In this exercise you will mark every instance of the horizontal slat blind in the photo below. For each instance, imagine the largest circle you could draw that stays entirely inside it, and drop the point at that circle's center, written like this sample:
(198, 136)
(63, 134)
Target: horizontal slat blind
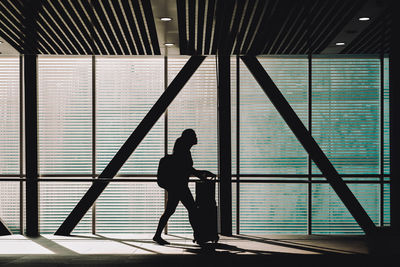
(330, 216)
(65, 115)
(126, 89)
(386, 204)
(195, 107)
(345, 112)
(129, 208)
(9, 115)
(57, 199)
(9, 205)
(273, 208)
(386, 123)
(267, 145)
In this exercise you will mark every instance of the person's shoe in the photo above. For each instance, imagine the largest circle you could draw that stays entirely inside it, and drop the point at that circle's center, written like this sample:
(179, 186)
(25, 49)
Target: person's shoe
(160, 241)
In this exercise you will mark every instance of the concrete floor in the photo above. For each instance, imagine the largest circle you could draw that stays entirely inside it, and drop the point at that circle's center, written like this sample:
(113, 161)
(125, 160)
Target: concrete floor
(241, 250)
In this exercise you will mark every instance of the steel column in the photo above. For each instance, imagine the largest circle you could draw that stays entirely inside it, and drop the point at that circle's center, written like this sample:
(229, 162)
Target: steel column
(310, 145)
(130, 145)
(224, 143)
(30, 13)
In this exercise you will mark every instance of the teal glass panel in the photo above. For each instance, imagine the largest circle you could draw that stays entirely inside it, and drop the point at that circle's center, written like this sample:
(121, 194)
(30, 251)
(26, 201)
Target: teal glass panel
(386, 204)
(330, 216)
(273, 208)
(267, 145)
(346, 112)
(386, 123)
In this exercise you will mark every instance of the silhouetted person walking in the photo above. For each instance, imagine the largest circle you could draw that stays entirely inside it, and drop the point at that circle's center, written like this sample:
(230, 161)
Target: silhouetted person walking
(178, 190)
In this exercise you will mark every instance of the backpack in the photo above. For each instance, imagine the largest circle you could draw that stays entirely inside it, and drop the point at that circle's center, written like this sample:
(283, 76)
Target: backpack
(165, 171)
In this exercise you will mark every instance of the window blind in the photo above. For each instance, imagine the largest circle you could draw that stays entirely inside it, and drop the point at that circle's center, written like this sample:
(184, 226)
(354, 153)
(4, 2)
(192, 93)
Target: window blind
(386, 123)
(346, 113)
(9, 115)
(267, 145)
(273, 208)
(57, 199)
(9, 205)
(330, 216)
(65, 115)
(129, 208)
(126, 89)
(9, 141)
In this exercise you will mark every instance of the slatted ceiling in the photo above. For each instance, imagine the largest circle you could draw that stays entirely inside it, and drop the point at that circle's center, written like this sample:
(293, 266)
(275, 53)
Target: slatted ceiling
(234, 27)
(126, 7)
(10, 26)
(105, 27)
(210, 17)
(340, 17)
(374, 39)
(262, 27)
(272, 48)
(244, 24)
(253, 26)
(200, 25)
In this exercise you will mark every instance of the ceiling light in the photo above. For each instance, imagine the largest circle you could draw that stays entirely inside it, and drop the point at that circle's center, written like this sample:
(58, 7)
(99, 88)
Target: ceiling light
(169, 44)
(1, 42)
(340, 43)
(165, 19)
(363, 18)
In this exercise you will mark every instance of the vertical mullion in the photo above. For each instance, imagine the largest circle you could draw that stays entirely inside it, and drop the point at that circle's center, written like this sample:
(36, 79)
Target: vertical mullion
(381, 169)
(21, 146)
(165, 130)
(309, 208)
(237, 145)
(94, 137)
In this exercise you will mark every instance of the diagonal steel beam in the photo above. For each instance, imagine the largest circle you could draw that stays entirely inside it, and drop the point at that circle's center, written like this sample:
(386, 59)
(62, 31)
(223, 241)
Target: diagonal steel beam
(130, 145)
(310, 145)
(3, 229)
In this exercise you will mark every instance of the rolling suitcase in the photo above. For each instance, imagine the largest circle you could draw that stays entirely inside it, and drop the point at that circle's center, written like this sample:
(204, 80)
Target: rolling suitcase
(207, 212)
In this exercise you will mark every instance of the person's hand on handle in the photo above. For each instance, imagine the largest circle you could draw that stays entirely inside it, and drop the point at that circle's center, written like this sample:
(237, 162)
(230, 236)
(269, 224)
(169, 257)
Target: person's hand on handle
(206, 174)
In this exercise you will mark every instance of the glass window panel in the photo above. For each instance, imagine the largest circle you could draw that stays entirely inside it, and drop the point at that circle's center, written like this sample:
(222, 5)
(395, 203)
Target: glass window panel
(273, 208)
(127, 88)
(386, 204)
(330, 216)
(9, 115)
(65, 115)
(386, 122)
(129, 207)
(267, 145)
(57, 199)
(345, 112)
(10, 205)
